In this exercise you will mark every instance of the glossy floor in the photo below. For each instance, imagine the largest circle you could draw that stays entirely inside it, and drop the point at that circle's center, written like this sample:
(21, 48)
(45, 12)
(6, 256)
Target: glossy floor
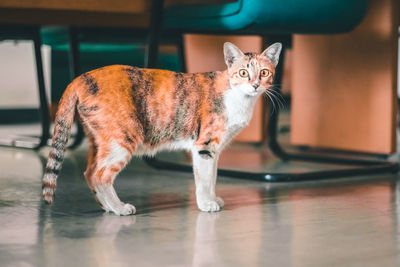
(342, 222)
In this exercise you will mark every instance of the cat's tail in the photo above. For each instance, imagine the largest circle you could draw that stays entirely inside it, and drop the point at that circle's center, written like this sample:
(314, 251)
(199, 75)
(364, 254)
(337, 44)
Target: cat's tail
(63, 122)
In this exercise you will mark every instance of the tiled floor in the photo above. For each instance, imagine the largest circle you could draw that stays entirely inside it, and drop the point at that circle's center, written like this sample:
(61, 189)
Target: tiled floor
(342, 222)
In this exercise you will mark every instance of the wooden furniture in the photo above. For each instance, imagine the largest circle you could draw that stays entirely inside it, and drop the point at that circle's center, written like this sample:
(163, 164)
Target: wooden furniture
(120, 13)
(344, 86)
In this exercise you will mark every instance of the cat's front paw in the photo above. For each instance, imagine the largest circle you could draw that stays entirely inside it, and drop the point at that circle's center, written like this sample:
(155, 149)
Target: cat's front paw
(124, 209)
(127, 209)
(220, 202)
(210, 205)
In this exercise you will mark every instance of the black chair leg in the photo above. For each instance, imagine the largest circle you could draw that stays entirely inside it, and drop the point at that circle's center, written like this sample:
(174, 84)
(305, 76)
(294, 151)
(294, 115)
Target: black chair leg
(359, 166)
(75, 71)
(44, 107)
(181, 53)
(153, 36)
(36, 142)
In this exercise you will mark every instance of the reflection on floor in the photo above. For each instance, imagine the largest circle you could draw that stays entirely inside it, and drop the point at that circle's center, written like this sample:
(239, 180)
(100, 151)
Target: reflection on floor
(341, 222)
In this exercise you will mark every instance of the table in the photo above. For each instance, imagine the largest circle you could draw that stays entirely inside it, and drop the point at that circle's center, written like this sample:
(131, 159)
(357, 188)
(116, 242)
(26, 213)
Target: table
(118, 13)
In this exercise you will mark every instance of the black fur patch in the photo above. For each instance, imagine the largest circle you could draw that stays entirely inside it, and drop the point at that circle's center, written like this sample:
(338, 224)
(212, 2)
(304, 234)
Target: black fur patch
(140, 90)
(211, 74)
(250, 55)
(205, 152)
(53, 171)
(181, 107)
(56, 157)
(90, 83)
(218, 105)
(128, 138)
(62, 136)
(230, 60)
(87, 110)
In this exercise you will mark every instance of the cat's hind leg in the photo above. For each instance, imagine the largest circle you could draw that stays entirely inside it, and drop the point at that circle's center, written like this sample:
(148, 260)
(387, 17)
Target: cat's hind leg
(205, 174)
(108, 162)
(92, 151)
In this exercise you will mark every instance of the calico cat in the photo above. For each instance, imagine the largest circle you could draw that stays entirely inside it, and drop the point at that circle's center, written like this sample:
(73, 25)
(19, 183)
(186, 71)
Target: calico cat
(129, 111)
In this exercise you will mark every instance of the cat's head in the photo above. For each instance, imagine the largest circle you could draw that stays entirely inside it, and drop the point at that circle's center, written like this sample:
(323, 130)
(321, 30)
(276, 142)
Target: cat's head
(251, 73)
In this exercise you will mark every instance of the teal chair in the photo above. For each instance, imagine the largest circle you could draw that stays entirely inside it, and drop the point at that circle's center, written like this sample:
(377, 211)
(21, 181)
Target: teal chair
(268, 17)
(276, 19)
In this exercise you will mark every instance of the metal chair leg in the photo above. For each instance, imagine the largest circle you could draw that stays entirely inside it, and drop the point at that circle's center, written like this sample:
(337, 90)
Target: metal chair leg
(359, 166)
(181, 53)
(75, 71)
(153, 36)
(43, 104)
(44, 107)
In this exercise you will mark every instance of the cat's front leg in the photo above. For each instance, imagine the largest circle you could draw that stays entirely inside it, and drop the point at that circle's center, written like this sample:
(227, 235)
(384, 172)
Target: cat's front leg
(205, 174)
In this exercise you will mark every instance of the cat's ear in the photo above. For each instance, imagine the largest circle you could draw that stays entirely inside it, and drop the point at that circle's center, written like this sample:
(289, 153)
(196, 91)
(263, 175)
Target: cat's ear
(231, 53)
(273, 52)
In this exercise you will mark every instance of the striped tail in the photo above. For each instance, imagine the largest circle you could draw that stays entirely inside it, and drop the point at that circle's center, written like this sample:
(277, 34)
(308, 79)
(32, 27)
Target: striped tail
(63, 123)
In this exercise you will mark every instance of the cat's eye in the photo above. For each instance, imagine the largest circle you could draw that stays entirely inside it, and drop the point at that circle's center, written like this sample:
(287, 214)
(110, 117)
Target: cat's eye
(243, 73)
(264, 73)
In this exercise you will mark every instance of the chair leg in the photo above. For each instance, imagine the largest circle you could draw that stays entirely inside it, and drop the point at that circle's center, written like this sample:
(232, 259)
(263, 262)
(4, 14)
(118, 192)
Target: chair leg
(40, 141)
(181, 53)
(75, 71)
(44, 107)
(153, 36)
(73, 53)
(361, 166)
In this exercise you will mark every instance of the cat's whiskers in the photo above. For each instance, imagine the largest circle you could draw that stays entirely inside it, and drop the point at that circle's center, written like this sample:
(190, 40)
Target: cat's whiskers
(276, 89)
(267, 94)
(276, 99)
(279, 98)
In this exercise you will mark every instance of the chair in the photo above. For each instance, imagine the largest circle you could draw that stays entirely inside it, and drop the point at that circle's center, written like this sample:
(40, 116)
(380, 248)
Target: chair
(14, 32)
(277, 19)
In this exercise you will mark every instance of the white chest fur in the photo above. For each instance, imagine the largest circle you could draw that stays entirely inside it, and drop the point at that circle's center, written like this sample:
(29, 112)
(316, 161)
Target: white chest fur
(239, 109)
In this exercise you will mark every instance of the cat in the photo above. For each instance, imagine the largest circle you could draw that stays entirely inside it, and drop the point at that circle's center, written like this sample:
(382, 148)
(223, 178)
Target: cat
(129, 111)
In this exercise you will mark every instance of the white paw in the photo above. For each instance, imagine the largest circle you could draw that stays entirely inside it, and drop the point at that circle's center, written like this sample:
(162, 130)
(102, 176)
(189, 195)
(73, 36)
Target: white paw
(109, 201)
(125, 209)
(210, 205)
(220, 202)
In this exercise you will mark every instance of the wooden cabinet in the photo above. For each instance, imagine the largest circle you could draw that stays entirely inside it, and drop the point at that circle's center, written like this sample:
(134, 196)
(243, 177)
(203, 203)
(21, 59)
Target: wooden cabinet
(344, 86)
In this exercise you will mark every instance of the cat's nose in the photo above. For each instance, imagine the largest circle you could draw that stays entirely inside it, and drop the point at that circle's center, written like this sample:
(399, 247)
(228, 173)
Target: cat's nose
(255, 85)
